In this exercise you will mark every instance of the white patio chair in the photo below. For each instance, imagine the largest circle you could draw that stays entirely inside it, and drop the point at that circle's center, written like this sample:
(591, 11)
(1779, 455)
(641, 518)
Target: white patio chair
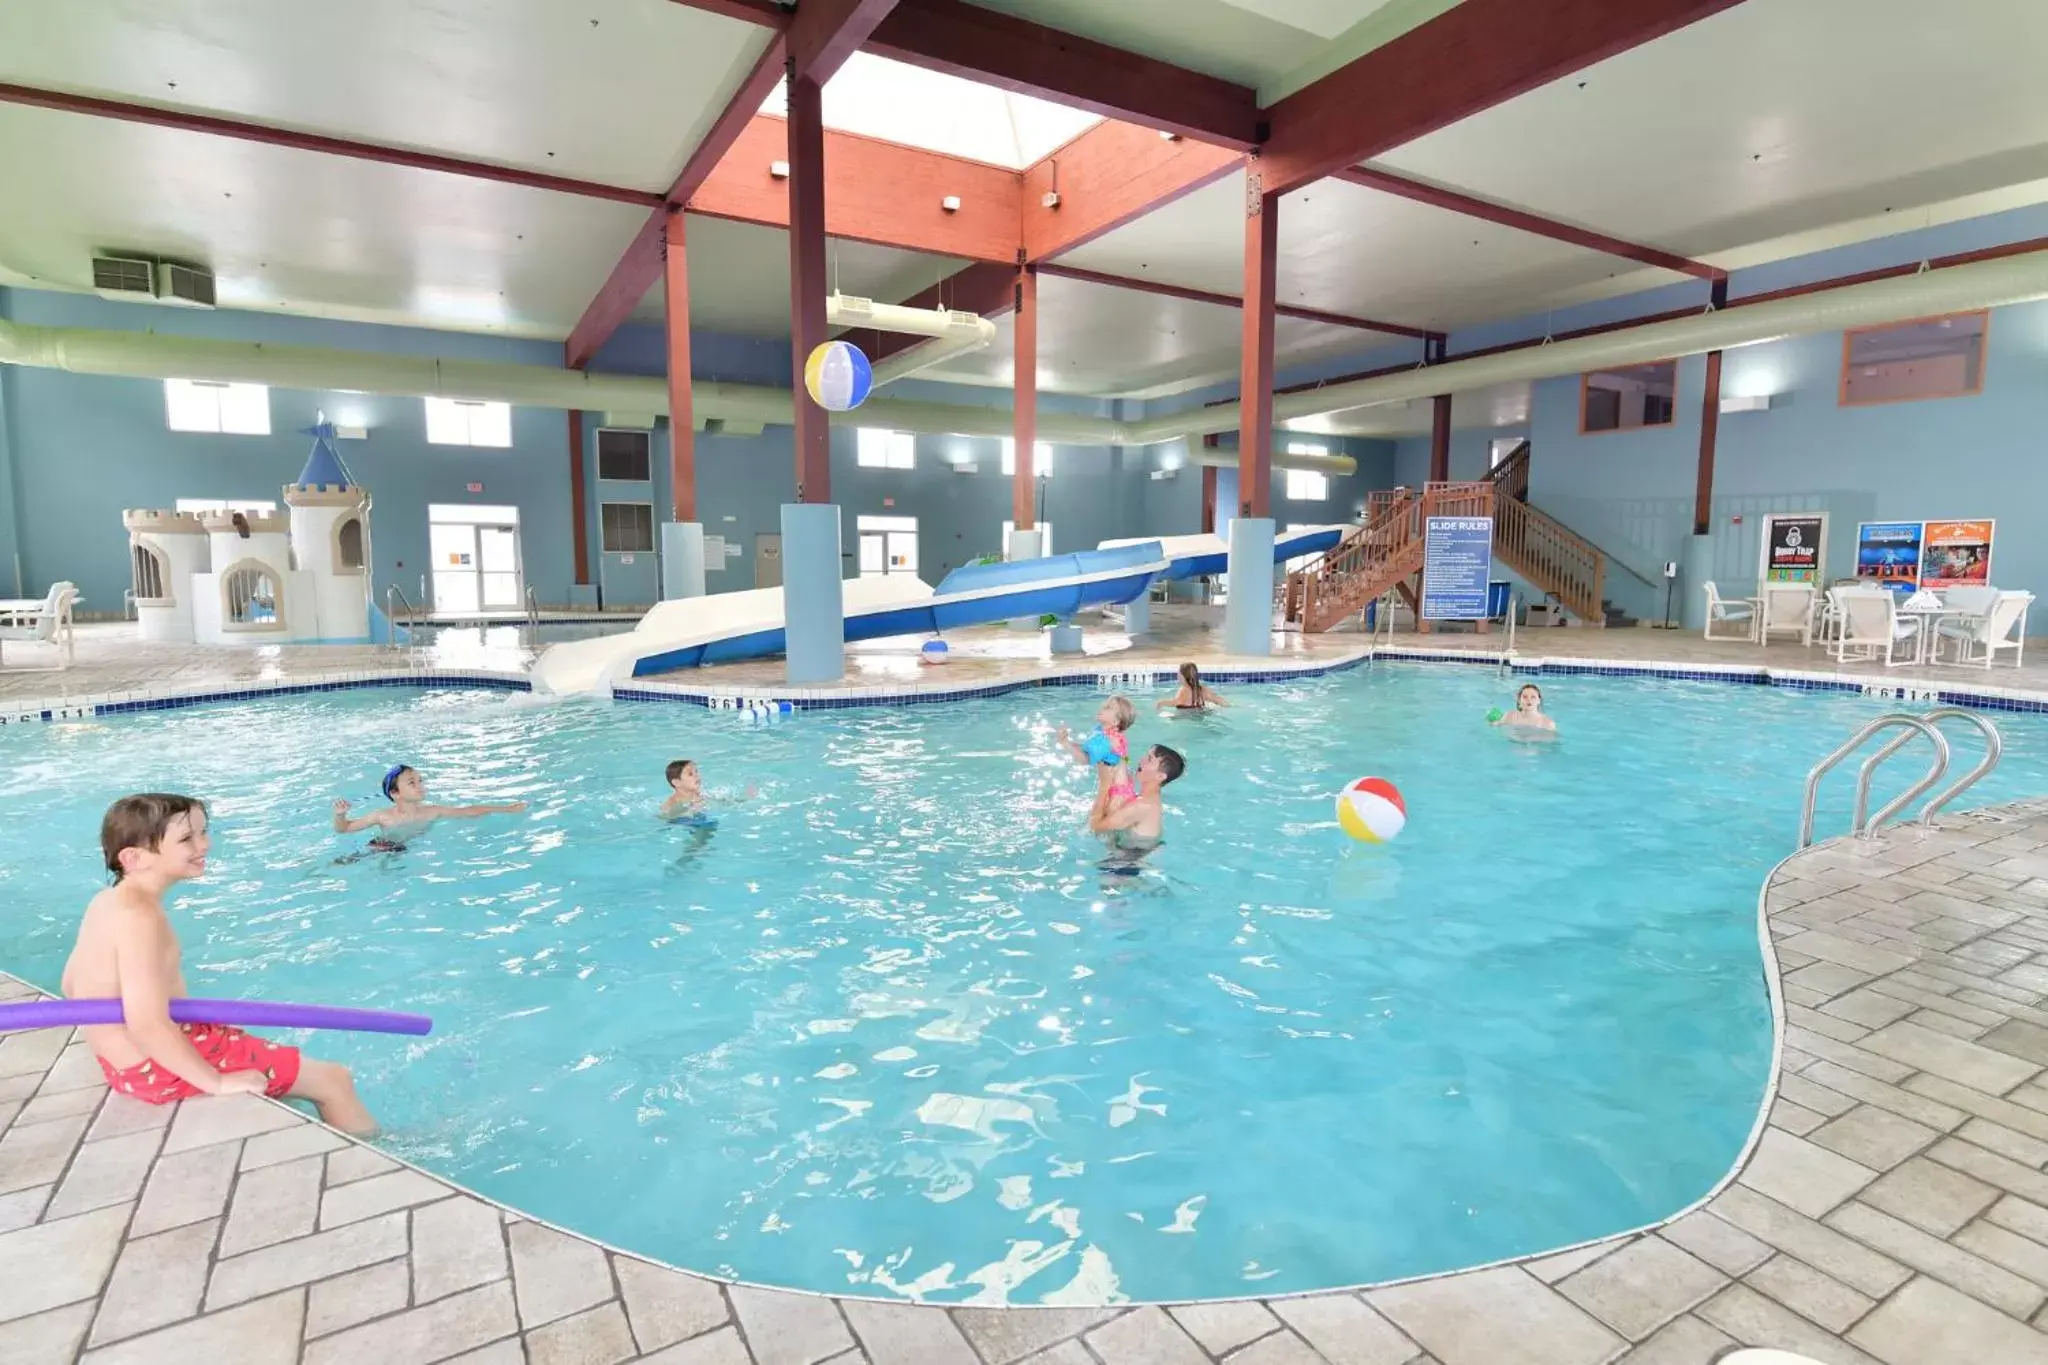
(1871, 625)
(1976, 601)
(1788, 609)
(48, 623)
(1739, 610)
(2003, 625)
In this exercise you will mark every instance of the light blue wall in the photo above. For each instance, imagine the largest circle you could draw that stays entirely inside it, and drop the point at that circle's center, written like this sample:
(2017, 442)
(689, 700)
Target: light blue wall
(75, 450)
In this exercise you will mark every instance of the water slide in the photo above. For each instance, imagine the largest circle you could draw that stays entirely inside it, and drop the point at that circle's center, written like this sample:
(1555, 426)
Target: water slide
(729, 626)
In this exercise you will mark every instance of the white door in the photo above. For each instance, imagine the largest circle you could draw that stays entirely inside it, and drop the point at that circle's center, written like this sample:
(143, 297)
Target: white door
(887, 545)
(498, 567)
(456, 587)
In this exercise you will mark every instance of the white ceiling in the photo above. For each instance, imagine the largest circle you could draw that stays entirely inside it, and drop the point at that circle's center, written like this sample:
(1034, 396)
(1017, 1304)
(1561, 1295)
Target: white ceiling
(1777, 127)
(1100, 341)
(739, 276)
(885, 99)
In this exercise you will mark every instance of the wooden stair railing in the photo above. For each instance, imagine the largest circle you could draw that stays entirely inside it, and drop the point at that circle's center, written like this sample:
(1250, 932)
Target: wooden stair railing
(1385, 551)
(1553, 557)
(1510, 478)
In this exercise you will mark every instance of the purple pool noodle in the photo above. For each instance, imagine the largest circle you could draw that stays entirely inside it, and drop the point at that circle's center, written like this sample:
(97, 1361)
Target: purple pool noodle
(27, 1014)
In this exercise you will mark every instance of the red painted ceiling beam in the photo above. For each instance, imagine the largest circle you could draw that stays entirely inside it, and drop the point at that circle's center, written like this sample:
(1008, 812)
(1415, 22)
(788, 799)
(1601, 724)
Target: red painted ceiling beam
(638, 269)
(1015, 54)
(1107, 176)
(1439, 197)
(824, 33)
(1178, 291)
(1470, 58)
(315, 142)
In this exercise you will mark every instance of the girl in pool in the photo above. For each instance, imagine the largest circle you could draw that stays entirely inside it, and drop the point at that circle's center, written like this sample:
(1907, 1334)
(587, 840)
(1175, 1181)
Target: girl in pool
(1107, 751)
(1194, 694)
(408, 815)
(1528, 713)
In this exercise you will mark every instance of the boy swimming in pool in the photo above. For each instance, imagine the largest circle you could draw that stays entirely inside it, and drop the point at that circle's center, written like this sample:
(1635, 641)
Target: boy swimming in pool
(408, 815)
(127, 949)
(686, 796)
(1108, 749)
(1528, 713)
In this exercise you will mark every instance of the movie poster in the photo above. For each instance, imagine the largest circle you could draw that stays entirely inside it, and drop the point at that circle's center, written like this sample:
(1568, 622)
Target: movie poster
(1792, 548)
(1956, 554)
(1888, 554)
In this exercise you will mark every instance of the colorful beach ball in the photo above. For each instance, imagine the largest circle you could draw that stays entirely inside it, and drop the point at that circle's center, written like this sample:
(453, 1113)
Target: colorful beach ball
(1371, 810)
(837, 376)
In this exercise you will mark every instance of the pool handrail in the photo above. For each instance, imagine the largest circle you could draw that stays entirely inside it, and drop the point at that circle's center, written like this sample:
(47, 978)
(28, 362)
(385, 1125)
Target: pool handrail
(1994, 749)
(1914, 725)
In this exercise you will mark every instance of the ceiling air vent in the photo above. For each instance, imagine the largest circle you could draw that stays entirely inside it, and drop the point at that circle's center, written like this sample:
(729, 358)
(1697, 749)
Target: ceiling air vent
(119, 277)
(187, 285)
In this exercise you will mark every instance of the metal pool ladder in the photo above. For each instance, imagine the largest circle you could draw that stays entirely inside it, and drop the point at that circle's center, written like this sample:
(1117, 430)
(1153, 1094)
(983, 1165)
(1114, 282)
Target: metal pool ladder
(1910, 725)
(393, 595)
(532, 618)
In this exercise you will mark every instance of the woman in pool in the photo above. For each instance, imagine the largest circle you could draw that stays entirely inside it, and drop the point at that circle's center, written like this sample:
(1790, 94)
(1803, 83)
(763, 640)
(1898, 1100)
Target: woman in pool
(408, 815)
(1194, 694)
(1528, 716)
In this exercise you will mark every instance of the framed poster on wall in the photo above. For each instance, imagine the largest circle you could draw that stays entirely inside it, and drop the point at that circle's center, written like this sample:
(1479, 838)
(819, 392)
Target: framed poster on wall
(1888, 553)
(1794, 547)
(1956, 554)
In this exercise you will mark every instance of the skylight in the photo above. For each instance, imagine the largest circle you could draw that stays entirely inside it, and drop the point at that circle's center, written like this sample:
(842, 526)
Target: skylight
(878, 98)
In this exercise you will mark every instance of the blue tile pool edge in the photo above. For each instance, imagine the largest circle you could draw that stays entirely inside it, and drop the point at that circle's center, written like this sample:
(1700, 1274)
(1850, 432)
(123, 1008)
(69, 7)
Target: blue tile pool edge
(90, 705)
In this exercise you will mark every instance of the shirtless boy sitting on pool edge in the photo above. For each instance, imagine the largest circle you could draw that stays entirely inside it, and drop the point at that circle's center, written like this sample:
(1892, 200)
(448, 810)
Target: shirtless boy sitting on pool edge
(1138, 822)
(408, 815)
(126, 948)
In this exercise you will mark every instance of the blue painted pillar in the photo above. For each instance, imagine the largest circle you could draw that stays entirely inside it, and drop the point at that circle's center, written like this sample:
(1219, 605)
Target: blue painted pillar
(11, 569)
(1248, 616)
(682, 559)
(814, 609)
(1138, 614)
(1695, 571)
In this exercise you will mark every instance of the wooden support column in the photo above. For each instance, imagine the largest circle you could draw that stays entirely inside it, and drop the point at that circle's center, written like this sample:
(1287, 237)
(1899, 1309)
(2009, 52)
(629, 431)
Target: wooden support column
(807, 283)
(1710, 428)
(682, 428)
(1440, 439)
(1024, 405)
(579, 533)
(1255, 382)
(1209, 499)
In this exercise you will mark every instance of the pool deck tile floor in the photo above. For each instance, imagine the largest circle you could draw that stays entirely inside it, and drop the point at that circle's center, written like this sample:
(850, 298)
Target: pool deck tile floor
(1894, 1210)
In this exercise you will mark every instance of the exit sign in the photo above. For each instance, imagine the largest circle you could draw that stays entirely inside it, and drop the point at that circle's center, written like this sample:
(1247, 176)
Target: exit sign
(475, 487)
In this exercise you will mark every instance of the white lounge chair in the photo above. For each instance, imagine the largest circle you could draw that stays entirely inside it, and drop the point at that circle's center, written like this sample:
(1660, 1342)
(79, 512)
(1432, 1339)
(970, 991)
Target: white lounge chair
(1787, 609)
(48, 622)
(1871, 625)
(1741, 610)
(2002, 625)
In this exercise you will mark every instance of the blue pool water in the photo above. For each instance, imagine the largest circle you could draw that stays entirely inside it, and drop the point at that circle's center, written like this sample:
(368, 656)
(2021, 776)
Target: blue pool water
(890, 1029)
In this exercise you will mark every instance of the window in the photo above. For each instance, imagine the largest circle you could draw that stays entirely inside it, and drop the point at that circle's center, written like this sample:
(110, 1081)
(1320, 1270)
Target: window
(149, 576)
(627, 527)
(1926, 358)
(1629, 397)
(885, 449)
(467, 422)
(887, 545)
(252, 506)
(1307, 485)
(1500, 448)
(1044, 529)
(205, 405)
(624, 456)
(1041, 458)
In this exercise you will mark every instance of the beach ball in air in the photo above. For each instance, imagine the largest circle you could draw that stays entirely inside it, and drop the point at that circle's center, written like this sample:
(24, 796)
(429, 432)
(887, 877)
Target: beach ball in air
(837, 376)
(1371, 810)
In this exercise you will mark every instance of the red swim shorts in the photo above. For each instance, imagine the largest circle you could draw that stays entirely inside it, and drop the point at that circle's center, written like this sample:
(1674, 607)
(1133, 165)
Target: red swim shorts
(225, 1049)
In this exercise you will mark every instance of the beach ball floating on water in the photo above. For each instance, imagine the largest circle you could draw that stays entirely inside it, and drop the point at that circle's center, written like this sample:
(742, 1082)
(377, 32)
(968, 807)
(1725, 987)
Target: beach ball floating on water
(837, 376)
(1371, 810)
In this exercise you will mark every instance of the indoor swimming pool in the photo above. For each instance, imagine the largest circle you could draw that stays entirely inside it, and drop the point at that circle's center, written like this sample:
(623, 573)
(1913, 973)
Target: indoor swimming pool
(893, 1027)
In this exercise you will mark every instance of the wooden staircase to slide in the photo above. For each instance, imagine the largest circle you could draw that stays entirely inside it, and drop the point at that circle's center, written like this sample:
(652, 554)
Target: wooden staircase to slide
(1384, 554)
(1379, 556)
(1542, 549)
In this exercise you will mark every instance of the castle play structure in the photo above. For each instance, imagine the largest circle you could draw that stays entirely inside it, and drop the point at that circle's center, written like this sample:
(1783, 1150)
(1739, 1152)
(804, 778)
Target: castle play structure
(259, 578)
